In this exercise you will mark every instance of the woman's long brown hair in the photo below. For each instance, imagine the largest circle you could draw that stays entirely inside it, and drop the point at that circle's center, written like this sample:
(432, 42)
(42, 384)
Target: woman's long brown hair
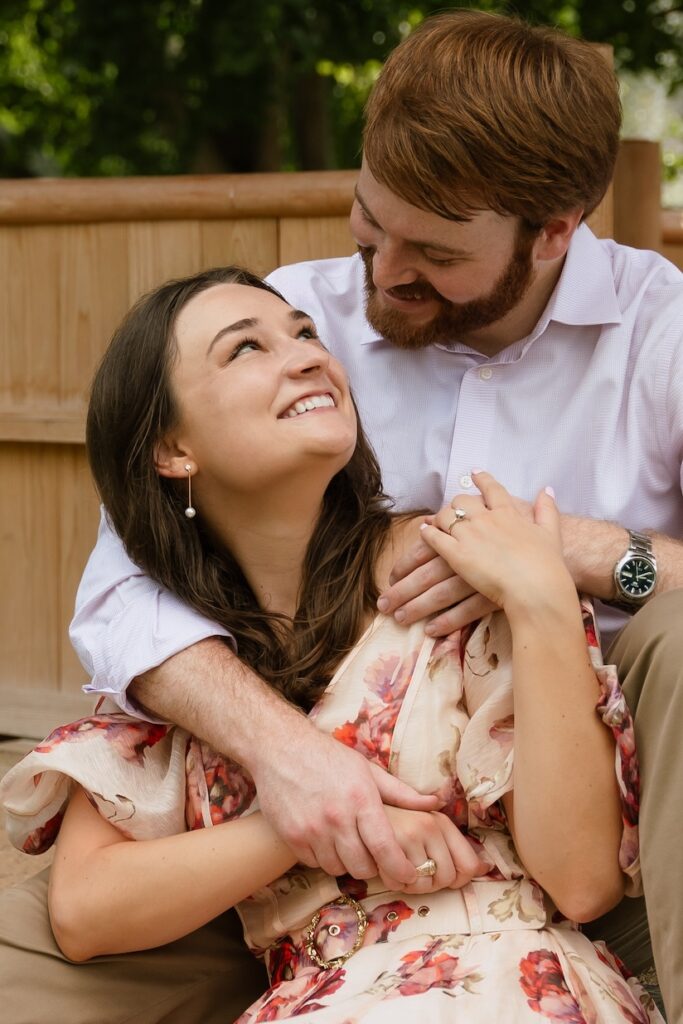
(131, 408)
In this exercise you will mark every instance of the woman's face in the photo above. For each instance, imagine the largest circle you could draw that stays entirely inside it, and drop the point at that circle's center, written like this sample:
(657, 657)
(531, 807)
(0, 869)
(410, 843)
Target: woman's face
(259, 396)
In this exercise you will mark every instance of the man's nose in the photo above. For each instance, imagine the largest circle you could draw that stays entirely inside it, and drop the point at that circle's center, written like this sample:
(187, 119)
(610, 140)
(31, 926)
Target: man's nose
(391, 266)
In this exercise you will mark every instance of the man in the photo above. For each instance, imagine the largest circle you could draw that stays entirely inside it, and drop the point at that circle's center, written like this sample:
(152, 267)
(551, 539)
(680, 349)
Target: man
(500, 333)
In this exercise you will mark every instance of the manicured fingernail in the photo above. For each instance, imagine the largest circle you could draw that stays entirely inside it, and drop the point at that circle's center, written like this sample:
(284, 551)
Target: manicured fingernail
(476, 471)
(549, 490)
(383, 603)
(423, 526)
(399, 615)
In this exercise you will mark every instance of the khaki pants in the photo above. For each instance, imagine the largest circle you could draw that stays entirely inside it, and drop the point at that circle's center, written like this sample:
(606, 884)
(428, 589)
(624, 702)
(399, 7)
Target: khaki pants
(209, 977)
(649, 656)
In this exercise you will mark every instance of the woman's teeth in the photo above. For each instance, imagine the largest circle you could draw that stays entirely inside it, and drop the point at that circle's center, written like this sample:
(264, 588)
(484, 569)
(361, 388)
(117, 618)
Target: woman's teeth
(306, 404)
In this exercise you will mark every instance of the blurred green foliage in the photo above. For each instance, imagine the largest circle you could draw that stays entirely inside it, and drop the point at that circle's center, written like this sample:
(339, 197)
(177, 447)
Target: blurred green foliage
(175, 86)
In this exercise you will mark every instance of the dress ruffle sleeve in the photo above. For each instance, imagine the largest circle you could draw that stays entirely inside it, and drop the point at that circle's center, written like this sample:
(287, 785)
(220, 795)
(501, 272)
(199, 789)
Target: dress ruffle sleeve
(132, 771)
(485, 758)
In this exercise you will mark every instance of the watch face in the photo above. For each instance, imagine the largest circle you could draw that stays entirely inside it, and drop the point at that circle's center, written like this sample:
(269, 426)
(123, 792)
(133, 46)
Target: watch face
(637, 577)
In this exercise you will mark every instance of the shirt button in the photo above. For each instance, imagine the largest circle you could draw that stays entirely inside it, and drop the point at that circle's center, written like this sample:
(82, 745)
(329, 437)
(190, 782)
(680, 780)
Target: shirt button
(466, 480)
(486, 373)
(392, 916)
(423, 911)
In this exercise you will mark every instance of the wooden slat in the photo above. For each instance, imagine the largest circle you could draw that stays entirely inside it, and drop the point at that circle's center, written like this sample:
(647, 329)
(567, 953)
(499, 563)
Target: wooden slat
(186, 197)
(307, 238)
(35, 713)
(29, 556)
(77, 515)
(249, 243)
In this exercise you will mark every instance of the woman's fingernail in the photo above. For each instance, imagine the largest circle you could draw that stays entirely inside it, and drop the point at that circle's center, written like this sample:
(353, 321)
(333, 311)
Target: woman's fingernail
(477, 471)
(423, 526)
(383, 603)
(399, 615)
(430, 631)
(549, 490)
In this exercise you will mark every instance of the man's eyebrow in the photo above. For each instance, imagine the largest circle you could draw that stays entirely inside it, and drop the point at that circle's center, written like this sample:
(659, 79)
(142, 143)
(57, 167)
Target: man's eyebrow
(247, 323)
(416, 242)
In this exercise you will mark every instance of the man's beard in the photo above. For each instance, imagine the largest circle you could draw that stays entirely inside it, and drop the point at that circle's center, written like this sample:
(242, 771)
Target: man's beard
(455, 321)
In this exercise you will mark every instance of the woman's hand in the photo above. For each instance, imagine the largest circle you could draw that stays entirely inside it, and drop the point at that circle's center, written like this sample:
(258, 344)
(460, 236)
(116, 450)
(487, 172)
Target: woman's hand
(512, 559)
(430, 835)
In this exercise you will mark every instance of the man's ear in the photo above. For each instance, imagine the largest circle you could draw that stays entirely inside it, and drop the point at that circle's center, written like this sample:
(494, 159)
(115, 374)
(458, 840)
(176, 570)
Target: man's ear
(556, 234)
(172, 460)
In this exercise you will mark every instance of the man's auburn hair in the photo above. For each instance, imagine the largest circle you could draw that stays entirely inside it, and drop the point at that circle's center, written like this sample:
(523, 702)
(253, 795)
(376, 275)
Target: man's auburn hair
(479, 110)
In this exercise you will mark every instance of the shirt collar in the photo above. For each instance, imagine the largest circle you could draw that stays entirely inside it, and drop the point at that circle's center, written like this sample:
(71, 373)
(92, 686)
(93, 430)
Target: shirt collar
(584, 294)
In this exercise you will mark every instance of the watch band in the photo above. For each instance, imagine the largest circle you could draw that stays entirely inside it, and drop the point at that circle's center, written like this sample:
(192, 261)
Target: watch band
(639, 545)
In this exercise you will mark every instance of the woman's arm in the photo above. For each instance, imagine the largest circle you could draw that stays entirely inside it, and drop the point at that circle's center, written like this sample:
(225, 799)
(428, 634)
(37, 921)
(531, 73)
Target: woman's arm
(109, 894)
(565, 812)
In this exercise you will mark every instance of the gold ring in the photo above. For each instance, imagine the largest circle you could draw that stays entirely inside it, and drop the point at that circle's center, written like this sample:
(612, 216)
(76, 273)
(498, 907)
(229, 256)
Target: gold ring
(426, 870)
(458, 515)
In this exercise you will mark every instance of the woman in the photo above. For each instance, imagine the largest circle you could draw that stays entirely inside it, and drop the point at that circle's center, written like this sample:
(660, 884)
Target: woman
(224, 443)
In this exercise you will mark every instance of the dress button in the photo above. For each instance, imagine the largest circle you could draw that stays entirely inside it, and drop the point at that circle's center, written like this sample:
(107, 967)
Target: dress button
(392, 916)
(486, 373)
(423, 911)
(466, 480)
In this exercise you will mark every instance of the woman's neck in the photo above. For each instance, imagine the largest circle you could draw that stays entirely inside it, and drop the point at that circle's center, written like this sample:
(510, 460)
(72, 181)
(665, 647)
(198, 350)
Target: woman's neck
(268, 537)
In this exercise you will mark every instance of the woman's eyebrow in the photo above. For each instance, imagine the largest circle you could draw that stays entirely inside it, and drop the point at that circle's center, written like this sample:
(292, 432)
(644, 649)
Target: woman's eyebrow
(248, 322)
(239, 325)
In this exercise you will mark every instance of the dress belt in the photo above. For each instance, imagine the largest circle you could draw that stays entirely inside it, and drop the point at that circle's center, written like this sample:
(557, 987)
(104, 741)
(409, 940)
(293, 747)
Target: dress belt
(345, 925)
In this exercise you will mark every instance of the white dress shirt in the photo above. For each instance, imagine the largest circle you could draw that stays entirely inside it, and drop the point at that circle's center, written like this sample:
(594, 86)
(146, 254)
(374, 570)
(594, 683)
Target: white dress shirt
(591, 402)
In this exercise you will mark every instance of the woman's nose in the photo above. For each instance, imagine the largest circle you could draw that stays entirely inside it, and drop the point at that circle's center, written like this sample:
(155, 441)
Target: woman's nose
(306, 359)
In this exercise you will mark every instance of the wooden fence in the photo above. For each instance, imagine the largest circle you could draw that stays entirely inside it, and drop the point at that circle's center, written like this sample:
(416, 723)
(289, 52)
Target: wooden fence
(73, 257)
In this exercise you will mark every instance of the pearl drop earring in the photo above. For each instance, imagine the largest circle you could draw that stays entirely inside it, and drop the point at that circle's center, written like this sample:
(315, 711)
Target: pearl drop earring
(190, 512)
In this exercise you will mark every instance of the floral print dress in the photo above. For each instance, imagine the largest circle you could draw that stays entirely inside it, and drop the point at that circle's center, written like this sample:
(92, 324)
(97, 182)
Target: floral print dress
(439, 715)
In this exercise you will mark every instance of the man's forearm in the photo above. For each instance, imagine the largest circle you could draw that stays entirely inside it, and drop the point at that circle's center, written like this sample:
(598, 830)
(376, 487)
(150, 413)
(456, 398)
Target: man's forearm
(592, 548)
(207, 690)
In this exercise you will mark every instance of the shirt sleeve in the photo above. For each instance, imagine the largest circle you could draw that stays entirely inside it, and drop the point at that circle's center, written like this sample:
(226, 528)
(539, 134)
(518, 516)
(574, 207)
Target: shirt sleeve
(125, 623)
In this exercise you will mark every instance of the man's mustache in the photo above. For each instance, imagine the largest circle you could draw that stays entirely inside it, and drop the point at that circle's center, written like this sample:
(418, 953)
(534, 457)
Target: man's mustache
(418, 289)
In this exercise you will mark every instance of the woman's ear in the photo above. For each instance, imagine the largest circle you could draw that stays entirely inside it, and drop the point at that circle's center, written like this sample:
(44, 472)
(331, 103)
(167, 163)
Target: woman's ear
(172, 461)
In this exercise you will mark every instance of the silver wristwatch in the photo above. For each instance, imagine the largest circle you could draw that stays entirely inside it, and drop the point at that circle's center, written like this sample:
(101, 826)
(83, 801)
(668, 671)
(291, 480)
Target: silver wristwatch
(635, 574)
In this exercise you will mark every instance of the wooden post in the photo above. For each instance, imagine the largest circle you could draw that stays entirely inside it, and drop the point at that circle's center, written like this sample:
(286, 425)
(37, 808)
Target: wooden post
(637, 194)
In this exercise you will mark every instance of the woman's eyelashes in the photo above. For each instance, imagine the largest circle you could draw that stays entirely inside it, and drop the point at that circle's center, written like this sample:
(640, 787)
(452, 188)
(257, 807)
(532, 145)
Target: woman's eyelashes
(307, 333)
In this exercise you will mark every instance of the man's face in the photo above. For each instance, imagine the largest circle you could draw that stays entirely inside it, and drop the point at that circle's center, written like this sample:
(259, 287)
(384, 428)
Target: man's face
(431, 280)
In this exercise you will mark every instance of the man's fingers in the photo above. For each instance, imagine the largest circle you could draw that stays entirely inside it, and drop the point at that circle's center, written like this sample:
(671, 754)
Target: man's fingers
(400, 794)
(469, 610)
(352, 857)
(436, 599)
(416, 556)
(421, 579)
(379, 838)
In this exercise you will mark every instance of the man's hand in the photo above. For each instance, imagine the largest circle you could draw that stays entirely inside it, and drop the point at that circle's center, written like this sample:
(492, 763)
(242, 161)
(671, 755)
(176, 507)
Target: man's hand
(326, 801)
(422, 584)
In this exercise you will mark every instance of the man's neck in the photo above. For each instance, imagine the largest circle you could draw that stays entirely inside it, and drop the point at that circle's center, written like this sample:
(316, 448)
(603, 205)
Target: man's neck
(520, 321)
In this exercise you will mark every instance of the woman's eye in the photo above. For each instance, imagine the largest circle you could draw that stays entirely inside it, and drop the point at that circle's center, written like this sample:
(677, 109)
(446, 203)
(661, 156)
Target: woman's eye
(243, 346)
(309, 333)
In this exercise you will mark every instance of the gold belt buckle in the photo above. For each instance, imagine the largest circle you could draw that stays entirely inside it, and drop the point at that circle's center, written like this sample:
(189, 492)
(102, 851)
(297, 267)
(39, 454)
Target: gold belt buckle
(309, 940)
